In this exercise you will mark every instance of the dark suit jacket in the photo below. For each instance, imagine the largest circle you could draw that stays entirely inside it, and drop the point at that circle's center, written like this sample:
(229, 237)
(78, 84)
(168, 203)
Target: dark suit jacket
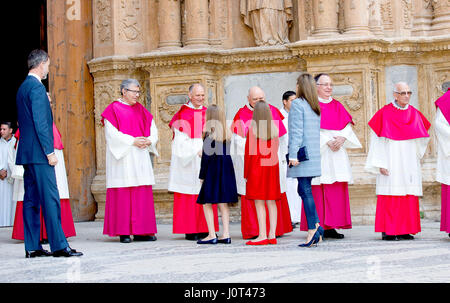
(35, 123)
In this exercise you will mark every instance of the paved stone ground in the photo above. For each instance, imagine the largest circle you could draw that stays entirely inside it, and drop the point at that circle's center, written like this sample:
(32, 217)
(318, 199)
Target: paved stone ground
(361, 257)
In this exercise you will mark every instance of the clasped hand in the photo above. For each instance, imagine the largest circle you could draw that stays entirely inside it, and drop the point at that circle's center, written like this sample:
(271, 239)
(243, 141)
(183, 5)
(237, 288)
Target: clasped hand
(336, 144)
(142, 142)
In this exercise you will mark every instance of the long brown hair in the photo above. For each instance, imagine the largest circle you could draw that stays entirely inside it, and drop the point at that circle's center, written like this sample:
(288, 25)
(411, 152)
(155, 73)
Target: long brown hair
(262, 123)
(215, 124)
(306, 89)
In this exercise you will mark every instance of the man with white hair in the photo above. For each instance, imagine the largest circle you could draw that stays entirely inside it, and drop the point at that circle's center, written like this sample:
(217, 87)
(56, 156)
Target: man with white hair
(131, 135)
(187, 126)
(240, 126)
(398, 141)
(330, 190)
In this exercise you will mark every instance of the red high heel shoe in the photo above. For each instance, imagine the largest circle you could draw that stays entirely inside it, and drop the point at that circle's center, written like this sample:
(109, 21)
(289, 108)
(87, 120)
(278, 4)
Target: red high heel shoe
(262, 242)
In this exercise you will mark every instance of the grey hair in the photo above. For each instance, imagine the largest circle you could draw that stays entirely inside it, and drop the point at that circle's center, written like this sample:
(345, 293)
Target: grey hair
(126, 84)
(191, 88)
(36, 57)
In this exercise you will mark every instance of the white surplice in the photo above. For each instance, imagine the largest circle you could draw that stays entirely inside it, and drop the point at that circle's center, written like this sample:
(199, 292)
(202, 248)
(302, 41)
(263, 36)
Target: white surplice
(402, 159)
(443, 154)
(336, 165)
(126, 164)
(185, 163)
(237, 151)
(6, 185)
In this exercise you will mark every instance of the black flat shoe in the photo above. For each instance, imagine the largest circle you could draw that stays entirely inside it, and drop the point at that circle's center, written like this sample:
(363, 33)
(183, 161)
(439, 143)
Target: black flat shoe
(332, 233)
(212, 241)
(67, 252)
(406, 237)
(144, 238)
(37, 253)
(224, 241)
(125, 239)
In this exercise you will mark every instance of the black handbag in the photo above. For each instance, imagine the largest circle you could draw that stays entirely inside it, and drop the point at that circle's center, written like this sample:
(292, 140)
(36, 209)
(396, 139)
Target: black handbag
(302, 155)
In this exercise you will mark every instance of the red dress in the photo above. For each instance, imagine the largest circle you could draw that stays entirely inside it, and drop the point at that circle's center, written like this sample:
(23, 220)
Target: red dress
(261, 168)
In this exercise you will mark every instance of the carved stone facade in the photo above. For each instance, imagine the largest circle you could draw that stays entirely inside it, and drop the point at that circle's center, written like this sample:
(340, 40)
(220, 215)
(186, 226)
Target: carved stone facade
(169, 44)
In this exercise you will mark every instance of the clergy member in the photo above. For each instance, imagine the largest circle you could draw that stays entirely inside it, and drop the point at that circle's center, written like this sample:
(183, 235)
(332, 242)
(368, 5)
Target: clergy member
(330, 190)
(442, 125)
(399, 138)
(294, 200)
(7, 142)
(131, 135)
(187, 126)
(240, 127)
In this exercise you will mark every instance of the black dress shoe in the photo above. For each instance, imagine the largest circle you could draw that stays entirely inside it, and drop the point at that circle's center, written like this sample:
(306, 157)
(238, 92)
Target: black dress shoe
(389, 237)
(37, 253)
(406, 237)
(144, 238)
(332, 233)
(67, 252)
(191, 237)
(125, 239)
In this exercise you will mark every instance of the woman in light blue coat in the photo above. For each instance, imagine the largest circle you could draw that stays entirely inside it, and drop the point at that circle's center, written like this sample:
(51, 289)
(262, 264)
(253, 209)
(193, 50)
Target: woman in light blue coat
(304, 130)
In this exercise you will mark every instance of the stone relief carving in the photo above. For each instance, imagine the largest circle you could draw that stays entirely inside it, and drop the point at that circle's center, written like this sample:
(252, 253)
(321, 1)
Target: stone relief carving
(387, 14)
(354, 103)
(165, 112)
(270, 20)
(130, 27)
(407, 8)
(218, 21)
(103, 21)
(442, 77)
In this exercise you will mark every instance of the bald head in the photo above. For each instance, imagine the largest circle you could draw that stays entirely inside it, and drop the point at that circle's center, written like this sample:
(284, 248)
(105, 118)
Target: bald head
(255, 94)
(402, 93)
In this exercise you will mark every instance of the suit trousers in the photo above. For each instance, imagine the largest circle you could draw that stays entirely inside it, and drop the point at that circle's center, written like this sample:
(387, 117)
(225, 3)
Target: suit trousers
(305, 192)
(41, 191)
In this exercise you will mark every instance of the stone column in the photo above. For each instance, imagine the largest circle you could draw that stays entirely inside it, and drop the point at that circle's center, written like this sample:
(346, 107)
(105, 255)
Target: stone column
(197, 25)
(441, 21)
(169, 22)
(356, 17)
(423, 15)
(375, 18)
(325, 17)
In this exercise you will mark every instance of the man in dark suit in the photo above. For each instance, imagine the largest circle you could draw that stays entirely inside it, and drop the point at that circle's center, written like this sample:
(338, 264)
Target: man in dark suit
(36, 153)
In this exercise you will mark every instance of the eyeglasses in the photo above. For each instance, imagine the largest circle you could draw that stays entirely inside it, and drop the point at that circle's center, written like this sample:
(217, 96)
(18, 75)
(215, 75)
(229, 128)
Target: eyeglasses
(403, 93)
(325, 84)
(133, 91)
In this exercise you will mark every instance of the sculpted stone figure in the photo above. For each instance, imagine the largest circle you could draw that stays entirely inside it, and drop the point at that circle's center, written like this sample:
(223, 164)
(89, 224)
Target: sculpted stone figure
(269, 19)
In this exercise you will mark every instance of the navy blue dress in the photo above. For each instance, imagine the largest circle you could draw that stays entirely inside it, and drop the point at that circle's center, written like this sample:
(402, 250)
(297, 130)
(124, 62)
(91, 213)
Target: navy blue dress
(217, 173)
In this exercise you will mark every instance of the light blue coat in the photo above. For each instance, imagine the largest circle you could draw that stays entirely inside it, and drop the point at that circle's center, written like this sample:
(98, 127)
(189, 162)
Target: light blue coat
(304, 130)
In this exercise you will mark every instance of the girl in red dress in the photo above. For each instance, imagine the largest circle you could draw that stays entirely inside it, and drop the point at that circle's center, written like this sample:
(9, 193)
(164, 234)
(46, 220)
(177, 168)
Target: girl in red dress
(261, 171)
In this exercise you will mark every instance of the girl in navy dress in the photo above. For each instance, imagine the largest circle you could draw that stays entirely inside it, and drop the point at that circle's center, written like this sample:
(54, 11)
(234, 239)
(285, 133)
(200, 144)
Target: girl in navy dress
(262, 172)
(217, 175)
